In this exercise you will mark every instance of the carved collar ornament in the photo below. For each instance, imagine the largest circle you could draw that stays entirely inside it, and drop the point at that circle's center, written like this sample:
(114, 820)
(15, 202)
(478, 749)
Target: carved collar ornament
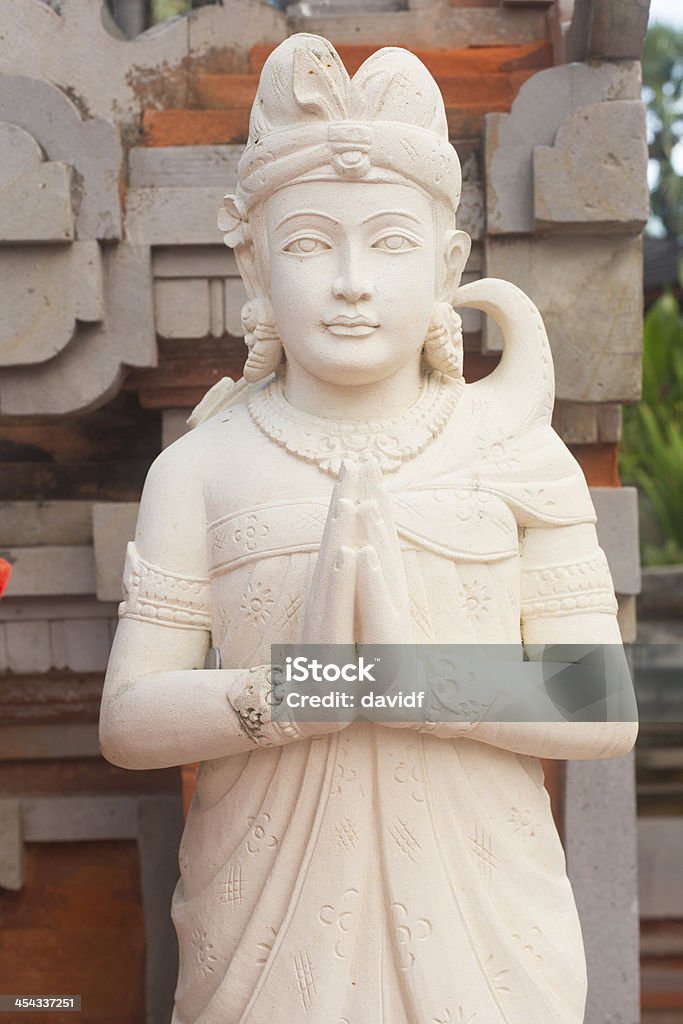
(327, 443)
(311, 121)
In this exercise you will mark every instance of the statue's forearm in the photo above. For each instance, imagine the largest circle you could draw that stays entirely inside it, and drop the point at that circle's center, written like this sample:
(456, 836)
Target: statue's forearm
(562, 740)
(564, 702)
(172, 718)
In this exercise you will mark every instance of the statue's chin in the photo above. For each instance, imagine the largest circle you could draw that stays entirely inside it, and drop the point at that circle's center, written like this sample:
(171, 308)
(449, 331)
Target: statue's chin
(353, 359)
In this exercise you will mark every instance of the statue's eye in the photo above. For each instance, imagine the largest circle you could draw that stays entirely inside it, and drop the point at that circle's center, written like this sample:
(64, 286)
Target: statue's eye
(306, 245)
(395, 243)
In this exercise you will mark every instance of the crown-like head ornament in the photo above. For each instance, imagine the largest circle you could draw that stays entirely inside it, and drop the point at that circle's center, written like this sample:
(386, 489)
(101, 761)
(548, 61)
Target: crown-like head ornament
(310, 121)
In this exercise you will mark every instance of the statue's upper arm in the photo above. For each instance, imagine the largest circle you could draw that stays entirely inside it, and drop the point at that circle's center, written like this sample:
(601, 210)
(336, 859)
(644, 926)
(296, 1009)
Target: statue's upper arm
(567, 591)
(171, 527)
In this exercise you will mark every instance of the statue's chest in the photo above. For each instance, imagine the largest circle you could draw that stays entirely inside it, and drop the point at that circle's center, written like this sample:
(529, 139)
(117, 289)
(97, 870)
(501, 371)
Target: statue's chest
(462, 523)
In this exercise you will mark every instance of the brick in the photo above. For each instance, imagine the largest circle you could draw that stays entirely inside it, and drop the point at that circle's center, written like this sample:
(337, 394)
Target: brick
(599, 462)
(37, 741)
(225, 91)
(194, 127)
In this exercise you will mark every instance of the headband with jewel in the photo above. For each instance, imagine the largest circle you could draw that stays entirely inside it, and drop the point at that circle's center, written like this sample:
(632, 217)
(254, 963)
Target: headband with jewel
(310, 122)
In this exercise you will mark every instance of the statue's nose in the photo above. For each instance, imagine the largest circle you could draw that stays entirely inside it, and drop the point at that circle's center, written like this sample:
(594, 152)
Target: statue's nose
(352, 283)
(353, 289)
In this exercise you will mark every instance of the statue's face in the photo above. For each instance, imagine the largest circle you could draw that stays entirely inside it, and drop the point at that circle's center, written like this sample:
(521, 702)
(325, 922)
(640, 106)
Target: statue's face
(353, 276)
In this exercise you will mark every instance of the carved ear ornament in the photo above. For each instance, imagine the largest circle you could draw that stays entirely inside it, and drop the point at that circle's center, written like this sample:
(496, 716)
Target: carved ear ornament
(262, 340)
(443, 348)
(232, 221)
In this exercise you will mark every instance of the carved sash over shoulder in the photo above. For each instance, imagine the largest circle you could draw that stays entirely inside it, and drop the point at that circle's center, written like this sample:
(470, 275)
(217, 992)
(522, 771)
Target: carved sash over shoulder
(157, 595)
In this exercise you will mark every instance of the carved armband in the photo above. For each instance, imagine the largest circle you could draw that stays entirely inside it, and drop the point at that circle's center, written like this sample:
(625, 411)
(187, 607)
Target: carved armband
(153, 594)
(583, 586)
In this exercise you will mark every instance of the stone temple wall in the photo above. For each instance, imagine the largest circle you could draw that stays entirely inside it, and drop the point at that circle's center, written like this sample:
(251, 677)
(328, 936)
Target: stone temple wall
(120, 307)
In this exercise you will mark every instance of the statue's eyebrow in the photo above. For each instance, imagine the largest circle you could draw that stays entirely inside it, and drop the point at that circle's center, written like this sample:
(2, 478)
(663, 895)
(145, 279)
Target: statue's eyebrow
(393, 213)
(306, 213)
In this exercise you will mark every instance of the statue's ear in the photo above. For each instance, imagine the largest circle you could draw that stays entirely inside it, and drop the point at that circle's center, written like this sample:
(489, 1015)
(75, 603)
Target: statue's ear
(457, 245)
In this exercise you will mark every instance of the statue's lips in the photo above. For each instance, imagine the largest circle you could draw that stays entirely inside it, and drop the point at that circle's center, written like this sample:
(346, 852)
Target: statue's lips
(350, 326)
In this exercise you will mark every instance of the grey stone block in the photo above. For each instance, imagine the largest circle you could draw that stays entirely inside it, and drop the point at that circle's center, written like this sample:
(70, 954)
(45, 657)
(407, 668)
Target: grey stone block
(68, 819)
(173, 215)
(44, 291)
(627, 618)
(113, 526)
(34, 523)
(180, 166)
(600, 844)
(92, 147)
(54, 609)
(617, 526)
(89, 370)
(195, 261)
(35, 195)
(618, 29)
(587, 422)
(59, 570)
(86, 645)
(595, 175)
(660, 877)
(120, 78)
(11, 844)
(28, 647)
(588, 292)
(437, 26)
(543, 103)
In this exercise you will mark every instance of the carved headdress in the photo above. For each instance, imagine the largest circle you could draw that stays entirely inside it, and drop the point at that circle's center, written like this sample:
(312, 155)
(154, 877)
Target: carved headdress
(310, 121)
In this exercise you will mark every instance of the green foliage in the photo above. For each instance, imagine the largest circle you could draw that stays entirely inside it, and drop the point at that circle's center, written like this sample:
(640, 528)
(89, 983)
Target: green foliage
(162, 10)
(663, 91)
(652, 446)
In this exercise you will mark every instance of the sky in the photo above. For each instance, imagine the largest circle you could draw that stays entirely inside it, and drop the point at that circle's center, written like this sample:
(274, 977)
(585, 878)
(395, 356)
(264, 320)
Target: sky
(670, 12)
(667, 12)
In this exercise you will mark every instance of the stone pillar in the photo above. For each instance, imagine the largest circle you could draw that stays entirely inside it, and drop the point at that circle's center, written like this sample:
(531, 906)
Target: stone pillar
(600, 841)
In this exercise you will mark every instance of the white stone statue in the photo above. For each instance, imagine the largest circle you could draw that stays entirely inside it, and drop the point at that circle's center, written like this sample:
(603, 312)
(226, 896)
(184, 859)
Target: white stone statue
(355, 489)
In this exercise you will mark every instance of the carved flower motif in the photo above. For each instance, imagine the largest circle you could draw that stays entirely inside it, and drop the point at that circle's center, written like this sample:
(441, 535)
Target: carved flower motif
(476, 599)
(257, 602)
(202, 951)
